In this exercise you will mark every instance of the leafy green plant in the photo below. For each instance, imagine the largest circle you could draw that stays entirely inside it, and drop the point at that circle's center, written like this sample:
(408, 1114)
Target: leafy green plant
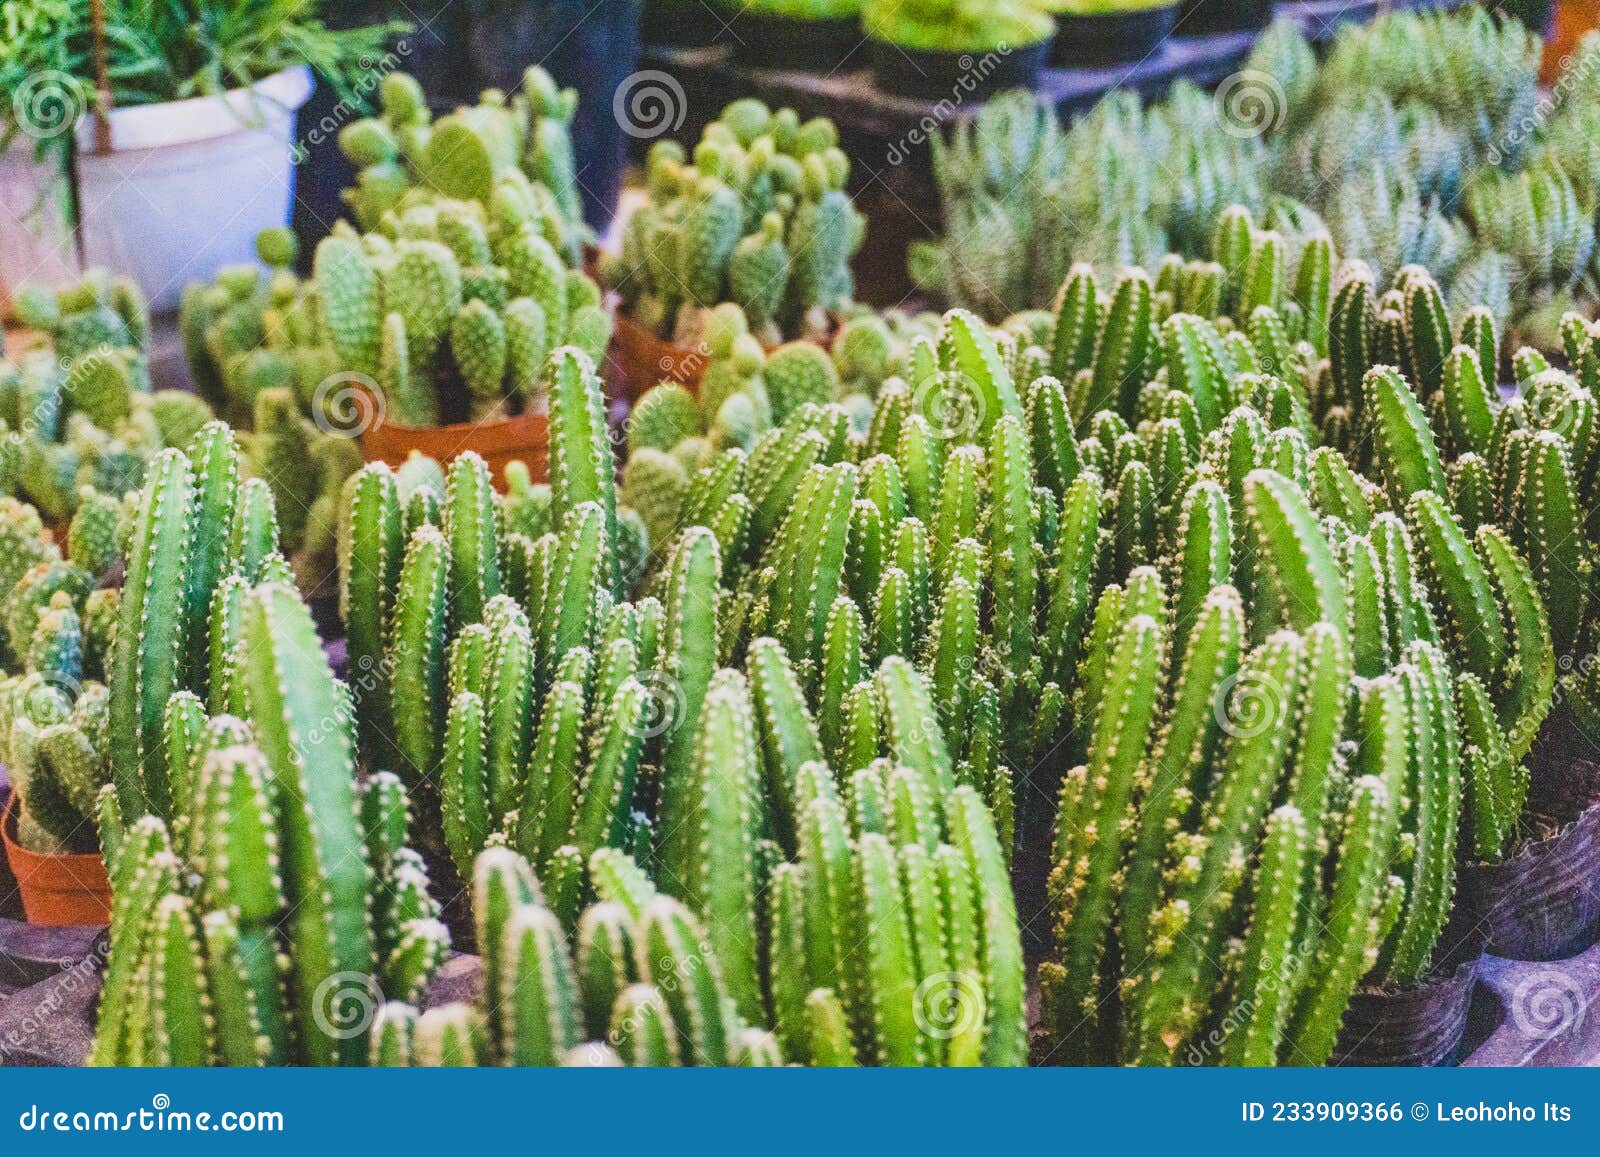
(158, 51)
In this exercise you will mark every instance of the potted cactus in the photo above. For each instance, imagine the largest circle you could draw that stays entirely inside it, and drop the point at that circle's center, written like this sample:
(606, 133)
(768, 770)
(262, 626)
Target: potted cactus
(1096, 32)
(422, 326)
(945, 49)
(759, 217)
(809, 34)
(54, 715)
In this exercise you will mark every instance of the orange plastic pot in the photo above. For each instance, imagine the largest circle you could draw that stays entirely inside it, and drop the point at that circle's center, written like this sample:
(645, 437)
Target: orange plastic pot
(56, 890)
(638, 360)
(501, 441)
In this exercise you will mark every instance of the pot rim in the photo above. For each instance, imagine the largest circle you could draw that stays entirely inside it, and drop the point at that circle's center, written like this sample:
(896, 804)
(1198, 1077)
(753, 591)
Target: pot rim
(202, 118)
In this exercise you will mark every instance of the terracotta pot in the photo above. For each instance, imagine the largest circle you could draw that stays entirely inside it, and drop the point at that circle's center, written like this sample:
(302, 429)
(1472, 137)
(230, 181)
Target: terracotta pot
(499, 442)
(1573, 19)
(56, 889)
(638, 360)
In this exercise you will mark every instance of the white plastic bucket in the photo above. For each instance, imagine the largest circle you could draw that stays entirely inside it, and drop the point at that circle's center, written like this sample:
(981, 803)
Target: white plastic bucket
(186, 186)
(36, 242)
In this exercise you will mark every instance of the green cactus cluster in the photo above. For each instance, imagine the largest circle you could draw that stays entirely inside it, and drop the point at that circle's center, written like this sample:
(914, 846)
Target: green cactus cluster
(1023, 198)
(957, 25)
(76, 410)
(444, 311)
(1208, 582)
(101, 311)
(635, 983)
(264, 899)
(450, 308)
(513, 154)
(757, 215)
(1417, 141)
(1202, 616)
(269, 917)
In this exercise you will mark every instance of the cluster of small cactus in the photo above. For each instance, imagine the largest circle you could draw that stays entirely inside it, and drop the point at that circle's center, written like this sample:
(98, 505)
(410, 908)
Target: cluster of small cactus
(277, 905)
(59, 626)
(1415, 143)
(450, 308)
(501, 667)
(445, 310)
(76, 411)
(1023, 199)
(636, 982)
(517, 149)
(758, 216)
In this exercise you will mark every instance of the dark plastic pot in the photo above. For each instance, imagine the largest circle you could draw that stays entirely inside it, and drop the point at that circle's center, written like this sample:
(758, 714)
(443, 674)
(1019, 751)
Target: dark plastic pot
(765, 40)
(1538, 15)
(967, 77)
(1420, 1026)
(678, 24)
(1091, 39)
(1541, 902)
(1201, 17)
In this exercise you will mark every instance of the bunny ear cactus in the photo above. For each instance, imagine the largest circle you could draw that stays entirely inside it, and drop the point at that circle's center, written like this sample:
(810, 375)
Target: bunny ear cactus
(450, 317)
(757, 217)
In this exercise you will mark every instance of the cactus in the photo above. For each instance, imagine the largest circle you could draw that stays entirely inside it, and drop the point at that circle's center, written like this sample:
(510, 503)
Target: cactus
(295, 903)
(758, 218)
(642, 978)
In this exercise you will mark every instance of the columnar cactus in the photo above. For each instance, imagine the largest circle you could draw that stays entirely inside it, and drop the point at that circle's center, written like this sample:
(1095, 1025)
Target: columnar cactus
(639, 985)
(276, 904)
